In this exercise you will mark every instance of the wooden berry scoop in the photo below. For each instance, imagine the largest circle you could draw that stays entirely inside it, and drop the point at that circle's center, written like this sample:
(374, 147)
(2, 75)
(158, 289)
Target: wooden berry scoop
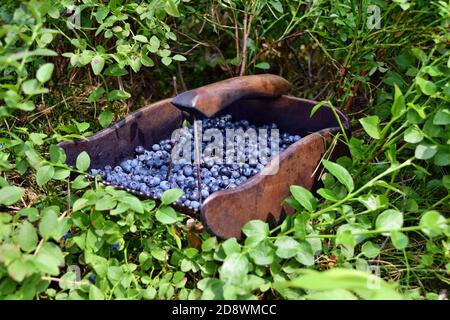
(212, 98)
(258, 99)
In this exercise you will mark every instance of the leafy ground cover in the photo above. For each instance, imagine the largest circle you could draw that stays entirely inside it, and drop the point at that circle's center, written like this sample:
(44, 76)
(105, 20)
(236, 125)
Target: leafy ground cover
(378, 227)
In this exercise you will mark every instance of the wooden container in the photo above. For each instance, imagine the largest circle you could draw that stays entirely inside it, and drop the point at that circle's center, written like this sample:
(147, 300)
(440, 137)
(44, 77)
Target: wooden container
(259, 99)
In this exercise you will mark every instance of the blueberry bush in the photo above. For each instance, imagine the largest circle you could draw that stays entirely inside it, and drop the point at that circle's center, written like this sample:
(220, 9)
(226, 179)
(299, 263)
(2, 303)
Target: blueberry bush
(378, 228)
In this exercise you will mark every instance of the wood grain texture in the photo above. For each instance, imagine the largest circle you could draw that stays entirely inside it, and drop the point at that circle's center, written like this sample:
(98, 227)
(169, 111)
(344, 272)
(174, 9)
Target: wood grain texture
(212, 98)
(112, 145)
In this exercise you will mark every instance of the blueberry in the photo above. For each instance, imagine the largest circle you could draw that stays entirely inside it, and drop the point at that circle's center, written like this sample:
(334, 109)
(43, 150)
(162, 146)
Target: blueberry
(115, 246)
(156, 147)
(92, 277)
(195, 204)
(247, 172)
(187, 170)
(139, 149)
(205, 193)
(67, 235)
(225, 171)
(134, 185)
(164, 185)
(194, 195)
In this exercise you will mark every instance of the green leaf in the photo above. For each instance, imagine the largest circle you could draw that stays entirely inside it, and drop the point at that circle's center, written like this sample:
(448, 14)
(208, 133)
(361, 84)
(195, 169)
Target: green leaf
(399, 102)
(171, 8)
(96, 94)
(304, 197)
(346, 238)
(339, 278)
(370, 249)
(48, 224)
(30, 87)
(166, 60)
(425, 151)
(166, 215)
(305, 254)
(134, 203)
(140, 38)
(97, 64)
(433, 223)
(105, 203)
(61, 174)
(327, 194)
(413, 135)
(10, 195)
(45, 38)
(19, 269)
(101, 13)
(371, 125)
(44, 174)
(340, 173)
(37, 138)
(432, 71)
(31, 213)
(171, 196)
(67, 281)
(154, 42)
(276, 4)
(263, 253)
(230, 246)
(44, 72)
(146, 61)
(27, 237)
(79, 204)
(80, 183)
(256, 231)
(49, 259)
(263, 66)
(389, 220)
(179, 57)
(83, 161)
(118, 95)
(209, 244)
(105, 118)
(446, 181)
(234, 269)
(399, 240)
(317, 107)
(287, 247)
(95, 293)
(427, 87)
(442, 158)
(442, 117)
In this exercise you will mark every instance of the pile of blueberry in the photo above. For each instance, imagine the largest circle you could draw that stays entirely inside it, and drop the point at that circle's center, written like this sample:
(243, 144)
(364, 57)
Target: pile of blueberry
(152, 171)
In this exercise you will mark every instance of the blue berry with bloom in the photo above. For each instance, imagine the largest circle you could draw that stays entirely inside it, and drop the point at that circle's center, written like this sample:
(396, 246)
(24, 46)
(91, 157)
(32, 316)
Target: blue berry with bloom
(92, 277)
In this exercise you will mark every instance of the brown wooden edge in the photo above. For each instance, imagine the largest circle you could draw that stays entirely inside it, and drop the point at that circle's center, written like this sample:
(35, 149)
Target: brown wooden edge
(210, 99)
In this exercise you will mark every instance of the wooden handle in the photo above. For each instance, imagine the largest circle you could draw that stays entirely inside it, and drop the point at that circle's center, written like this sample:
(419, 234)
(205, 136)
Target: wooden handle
(210, 99)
